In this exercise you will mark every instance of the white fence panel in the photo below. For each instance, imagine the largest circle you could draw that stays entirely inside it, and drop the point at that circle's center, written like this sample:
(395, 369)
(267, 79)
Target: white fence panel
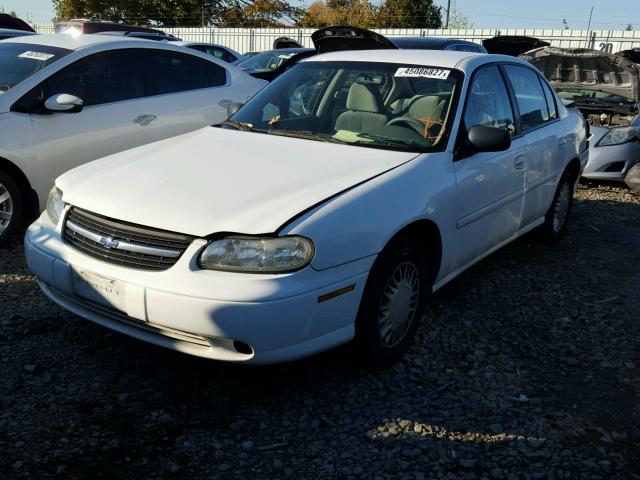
(252, 39)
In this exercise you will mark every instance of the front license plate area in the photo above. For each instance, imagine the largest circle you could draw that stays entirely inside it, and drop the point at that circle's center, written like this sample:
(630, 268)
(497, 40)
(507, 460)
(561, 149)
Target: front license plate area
(99, 289)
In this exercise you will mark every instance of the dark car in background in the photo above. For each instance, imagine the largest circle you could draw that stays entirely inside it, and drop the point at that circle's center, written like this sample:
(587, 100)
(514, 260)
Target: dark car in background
(157, 36)
(14, 23)
(436, 43)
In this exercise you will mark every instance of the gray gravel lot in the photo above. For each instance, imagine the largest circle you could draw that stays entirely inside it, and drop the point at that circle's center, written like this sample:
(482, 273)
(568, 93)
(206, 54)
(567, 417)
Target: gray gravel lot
(526, 367)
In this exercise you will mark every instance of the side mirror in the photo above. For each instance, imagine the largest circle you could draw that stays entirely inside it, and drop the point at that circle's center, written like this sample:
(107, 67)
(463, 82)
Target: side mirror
(63, 102)
(489, 139)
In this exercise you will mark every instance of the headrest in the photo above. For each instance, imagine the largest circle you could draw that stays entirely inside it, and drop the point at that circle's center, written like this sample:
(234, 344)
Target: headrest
(362, 99)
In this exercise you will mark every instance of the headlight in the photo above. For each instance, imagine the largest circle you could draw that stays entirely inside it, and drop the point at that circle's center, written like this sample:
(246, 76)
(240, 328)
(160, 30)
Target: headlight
(257, 254)
(55, 205)
(618, 135)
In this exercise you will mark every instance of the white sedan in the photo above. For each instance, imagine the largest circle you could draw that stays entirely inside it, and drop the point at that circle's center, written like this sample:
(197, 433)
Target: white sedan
(66, 100)
(325, 211)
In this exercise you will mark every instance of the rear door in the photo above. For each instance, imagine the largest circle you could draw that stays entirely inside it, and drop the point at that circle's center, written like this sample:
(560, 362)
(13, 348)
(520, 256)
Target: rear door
(184, 93)
(490, 185)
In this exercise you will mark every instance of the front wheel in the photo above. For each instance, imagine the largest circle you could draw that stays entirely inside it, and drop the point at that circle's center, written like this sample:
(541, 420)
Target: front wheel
(11, 207)
(555, 220)
(393, 301)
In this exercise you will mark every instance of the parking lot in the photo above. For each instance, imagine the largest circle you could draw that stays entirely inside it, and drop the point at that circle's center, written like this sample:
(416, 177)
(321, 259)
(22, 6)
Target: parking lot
(526, 366)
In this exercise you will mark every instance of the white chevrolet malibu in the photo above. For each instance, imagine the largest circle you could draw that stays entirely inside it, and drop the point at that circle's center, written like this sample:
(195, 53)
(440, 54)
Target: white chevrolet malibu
(66, 100)
(324, 212)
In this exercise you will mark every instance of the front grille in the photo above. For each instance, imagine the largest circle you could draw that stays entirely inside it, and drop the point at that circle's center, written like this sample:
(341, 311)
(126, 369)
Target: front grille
(123, 243)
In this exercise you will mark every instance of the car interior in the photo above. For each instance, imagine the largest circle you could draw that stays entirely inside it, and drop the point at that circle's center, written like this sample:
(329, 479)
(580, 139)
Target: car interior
(369, 102)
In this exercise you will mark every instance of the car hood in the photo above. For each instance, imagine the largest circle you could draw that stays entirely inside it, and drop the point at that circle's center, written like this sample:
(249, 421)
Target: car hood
(221, 180)
(340, 37)
(587, 69)
(512, 45)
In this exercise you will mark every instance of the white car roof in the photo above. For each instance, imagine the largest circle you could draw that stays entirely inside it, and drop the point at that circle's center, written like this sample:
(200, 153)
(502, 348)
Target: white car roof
(72, 42)
(436, 58)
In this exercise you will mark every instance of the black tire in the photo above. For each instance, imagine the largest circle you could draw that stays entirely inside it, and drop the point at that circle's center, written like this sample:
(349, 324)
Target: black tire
(15, 204)
(554, 221)
(403, 256)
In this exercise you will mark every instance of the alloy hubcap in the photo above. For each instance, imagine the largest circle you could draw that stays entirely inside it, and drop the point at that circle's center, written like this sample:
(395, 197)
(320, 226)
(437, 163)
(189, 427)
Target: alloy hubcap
(562, 207)
(6, 208)
(398, 304)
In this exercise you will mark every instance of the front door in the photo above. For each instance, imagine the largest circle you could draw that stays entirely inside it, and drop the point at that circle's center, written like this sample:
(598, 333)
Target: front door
(490, 185)
(110, 85)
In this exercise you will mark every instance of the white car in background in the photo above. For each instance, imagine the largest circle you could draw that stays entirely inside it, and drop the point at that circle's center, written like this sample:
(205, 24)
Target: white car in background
(66, 100)
(325, 210)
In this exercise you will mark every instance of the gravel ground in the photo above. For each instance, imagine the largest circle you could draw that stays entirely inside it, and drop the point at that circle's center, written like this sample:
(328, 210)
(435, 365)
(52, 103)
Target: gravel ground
(526, 367)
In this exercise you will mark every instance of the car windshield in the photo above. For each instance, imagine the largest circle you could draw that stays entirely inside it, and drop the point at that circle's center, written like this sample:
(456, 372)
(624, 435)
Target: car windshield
(380, 105)
(20, 60)
(267, 61)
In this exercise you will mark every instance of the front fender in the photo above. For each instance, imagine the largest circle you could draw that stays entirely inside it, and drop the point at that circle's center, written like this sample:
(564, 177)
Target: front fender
(360, 222)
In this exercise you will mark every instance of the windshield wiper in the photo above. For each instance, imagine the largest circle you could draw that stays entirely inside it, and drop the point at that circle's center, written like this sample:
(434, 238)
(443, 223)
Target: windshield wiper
(323, 137)
(244, 126)
(389, 141)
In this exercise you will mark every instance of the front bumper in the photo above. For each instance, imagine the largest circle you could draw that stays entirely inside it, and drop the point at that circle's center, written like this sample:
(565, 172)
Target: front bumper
(611, 162)
(205, 313)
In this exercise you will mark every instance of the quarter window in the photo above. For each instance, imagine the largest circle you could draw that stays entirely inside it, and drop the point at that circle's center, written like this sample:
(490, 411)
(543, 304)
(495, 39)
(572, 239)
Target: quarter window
(551, 104)
(529, 96)
(488, 101)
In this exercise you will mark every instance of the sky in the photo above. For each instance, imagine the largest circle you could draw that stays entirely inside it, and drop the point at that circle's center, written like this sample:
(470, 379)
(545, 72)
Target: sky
(613, 15)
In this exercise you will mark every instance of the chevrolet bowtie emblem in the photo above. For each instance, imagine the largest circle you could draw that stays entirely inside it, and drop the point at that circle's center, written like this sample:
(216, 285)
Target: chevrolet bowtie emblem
(108, 242)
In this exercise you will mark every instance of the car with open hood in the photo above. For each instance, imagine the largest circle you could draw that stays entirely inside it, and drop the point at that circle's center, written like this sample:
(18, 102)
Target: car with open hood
(69, 99)
(605, 87)
(324, 211)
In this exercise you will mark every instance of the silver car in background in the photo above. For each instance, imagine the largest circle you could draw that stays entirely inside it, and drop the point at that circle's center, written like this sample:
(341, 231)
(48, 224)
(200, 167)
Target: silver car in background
(605, 88)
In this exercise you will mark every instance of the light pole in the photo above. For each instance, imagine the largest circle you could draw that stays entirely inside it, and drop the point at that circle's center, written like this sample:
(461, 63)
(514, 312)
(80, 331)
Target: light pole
(446, 25)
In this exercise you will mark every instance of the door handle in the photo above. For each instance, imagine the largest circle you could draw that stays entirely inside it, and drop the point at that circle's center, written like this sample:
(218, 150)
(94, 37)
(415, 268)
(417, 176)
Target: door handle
(144, 119)
(519, 163)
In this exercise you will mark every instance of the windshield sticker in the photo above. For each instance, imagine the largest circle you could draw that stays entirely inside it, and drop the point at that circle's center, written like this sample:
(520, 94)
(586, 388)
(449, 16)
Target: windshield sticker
(286, 55)
(43, 57)
(437, 73)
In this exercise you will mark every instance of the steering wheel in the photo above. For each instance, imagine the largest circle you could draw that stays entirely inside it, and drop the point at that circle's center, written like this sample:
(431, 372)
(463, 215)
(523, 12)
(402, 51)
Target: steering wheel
(407, 122)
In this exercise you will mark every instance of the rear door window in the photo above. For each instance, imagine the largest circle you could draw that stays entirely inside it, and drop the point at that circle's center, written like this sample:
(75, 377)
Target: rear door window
(530, 98)
(170, 72)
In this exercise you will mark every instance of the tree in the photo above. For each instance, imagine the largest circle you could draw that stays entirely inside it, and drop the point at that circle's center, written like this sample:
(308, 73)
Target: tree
(357, 13)
(629, 27)
(269, 13)
(458, 20)
(165, 13)
(410, 14)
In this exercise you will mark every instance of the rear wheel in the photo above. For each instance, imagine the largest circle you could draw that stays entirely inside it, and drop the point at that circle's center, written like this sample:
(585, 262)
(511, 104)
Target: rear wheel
(392, 303)
(555, 220)
(11, 207)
